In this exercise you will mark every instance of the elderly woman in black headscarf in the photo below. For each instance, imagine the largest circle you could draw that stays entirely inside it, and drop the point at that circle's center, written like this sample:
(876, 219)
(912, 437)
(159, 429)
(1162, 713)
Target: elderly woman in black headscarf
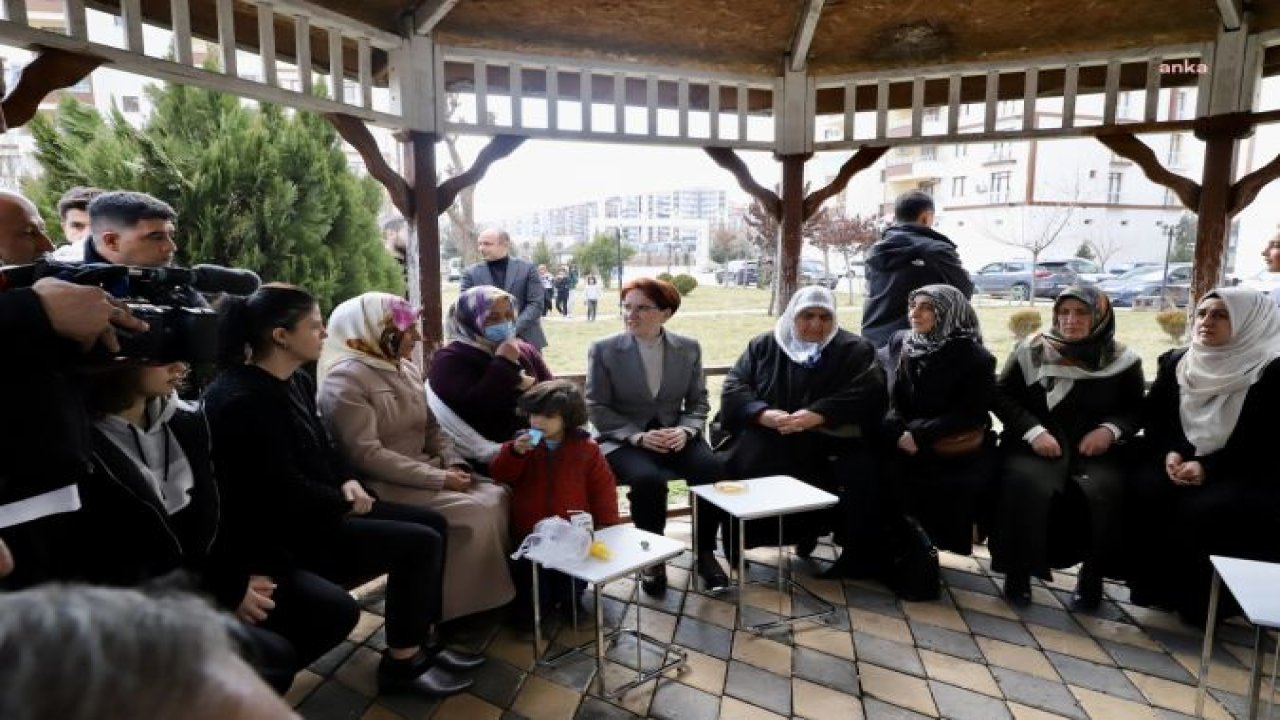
(1209, 486)
(806, 400)
(1066, 398)
(941, 384)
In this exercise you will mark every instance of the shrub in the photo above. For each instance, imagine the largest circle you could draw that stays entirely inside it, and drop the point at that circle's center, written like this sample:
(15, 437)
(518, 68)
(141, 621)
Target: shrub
(1173, 322)
(666, 277)
(684, 283)
(1024, 322)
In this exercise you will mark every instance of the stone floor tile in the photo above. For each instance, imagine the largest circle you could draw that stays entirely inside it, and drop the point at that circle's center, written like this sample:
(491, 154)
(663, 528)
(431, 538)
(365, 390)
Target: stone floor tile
(1244, 655)
(957, 704)
(677, 701)
(1024, 712)
(896, 688)
(888, 654)
(326, 664)
(710, 610)
(1037, 692)
(762, 652)
(1150, 662)
(334, 701)
(1232, 679)
(935, 613)
(653, 622)
(984, 603)
(830, 590)
(877, 600)
(1121, 632)
(767, 597)
(702, 672)
(1101, 706)
(1049, 617)
(380, 712)
(470, 707)
(497, 682)
(620, 589)
(671, 600)
(515, 648)
(759, 687)
(826, 670)
(1093, 676)
(596, 709)
(1179, 644)
(360, 671)
(875, 709)
(998, 628)
(731, 708)
(1175, 696)
(932, 637)
(1164, 714)
(1017, 657)
(365, 626)
(304, 683)
(541, 699)
(973, 582)
(815, 702)
(1117, 592)
(961, 673)
(574, 670)
(1043, 596)
(1160, 619)
(882, 626)
(959, 562)
(704, 637)
(408, 705)
(637, 700)
(1237, 705)
(1074, 644)
(824, 639)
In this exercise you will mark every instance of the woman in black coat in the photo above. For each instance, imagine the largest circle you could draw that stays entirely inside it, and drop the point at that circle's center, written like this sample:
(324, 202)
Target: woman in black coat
(941, 384)
(807, 400)
(1209, 485)
(1066, 397)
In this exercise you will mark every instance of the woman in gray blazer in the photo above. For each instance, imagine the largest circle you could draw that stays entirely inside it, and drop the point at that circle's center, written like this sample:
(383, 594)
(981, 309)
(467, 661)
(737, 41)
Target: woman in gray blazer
(647, 398)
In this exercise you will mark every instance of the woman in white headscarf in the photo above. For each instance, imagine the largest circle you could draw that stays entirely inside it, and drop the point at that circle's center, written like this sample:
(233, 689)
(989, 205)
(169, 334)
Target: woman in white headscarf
(941, 384)
(1210, 486)
(372, 400)
(805, 400)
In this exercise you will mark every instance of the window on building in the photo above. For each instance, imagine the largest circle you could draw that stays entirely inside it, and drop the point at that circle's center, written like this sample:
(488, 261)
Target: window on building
(960, 150)
(929, 152)
(929, 188)
(1123, 104)
(1002, 151)
(1169, 198)
(130, 104)
(931, 114)
(1113, 187)
(1179, 109)
(1175, 150)
(999, 190)
(957, 186)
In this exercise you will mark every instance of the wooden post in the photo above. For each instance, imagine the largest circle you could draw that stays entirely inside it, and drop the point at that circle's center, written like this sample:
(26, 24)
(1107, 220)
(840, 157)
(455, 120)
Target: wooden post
(1221, 135)
(786, 266)
(423, 257)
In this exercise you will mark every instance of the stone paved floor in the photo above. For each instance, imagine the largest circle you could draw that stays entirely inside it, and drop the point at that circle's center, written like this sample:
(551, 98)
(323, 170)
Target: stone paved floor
(968, 655)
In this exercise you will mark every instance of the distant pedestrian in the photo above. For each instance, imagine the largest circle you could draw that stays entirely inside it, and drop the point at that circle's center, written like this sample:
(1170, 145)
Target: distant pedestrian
(561, 285)
(592, 293)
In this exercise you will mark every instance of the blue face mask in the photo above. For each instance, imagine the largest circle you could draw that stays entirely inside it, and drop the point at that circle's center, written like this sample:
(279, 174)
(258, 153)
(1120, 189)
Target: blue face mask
(500, 332)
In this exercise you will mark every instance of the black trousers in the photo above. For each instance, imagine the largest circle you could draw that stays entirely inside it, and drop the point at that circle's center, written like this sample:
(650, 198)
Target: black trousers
(946, 495)
(311, 613)
(406, 543)
(562, 302)
(591, 309)
(647, 473)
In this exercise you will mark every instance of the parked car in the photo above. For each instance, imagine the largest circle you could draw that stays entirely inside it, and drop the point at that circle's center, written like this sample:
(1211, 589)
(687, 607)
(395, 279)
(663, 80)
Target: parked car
(1127, 289)
(1086, 270)
(1014, 278)
(735, 272)
(812, 272)
(1123, 268)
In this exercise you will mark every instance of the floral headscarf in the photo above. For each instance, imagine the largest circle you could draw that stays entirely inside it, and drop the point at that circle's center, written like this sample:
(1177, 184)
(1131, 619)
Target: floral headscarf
(465, 320)
(956, 320)
(367, 328)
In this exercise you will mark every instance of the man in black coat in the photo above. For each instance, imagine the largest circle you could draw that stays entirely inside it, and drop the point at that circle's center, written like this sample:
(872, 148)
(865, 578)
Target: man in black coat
(516, 276)
(909, 255)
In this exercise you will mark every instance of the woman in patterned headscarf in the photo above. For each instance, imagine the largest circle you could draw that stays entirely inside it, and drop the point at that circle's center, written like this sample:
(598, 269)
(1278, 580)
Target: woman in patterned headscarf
(485, 367)
(1210, 485)
(941, 383)
(1066, 397)
(373, 404)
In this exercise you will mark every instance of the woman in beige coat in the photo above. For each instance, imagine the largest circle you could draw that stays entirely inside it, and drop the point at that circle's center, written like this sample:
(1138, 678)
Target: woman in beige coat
(373, 402)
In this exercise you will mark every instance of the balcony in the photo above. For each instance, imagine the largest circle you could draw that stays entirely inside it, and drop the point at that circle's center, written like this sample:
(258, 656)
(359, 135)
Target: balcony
(913, 170)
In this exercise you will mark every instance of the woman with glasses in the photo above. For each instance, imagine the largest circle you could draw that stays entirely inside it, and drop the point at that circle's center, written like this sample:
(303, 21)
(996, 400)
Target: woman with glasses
(647, 398)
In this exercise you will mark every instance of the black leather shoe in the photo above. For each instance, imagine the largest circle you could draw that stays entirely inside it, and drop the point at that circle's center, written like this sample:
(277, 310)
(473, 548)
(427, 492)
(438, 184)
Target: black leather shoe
(1088, 594)
(653, 579)
(458, 661)
(713, 577)
(1017, 589)
(806, 546)
(396, 677)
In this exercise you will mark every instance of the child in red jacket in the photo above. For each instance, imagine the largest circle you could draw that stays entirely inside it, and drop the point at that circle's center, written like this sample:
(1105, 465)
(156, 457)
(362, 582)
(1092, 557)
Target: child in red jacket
(553, 469)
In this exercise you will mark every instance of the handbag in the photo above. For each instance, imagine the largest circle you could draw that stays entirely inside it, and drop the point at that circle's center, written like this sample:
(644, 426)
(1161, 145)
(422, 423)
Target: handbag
(961, 443)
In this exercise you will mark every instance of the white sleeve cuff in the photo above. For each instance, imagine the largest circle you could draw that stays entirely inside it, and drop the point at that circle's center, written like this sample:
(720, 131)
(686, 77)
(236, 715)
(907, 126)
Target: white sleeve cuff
(1035, 432)
(1115, 431)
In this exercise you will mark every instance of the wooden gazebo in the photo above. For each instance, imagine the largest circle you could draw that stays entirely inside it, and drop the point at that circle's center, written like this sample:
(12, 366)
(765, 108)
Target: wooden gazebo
(715, 72)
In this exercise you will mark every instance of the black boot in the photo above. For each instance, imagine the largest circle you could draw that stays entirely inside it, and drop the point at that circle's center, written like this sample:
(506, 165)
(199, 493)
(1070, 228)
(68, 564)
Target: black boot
(1017, 588)
(713, 576)
(1088, 594)
(806, 546)
(416, 675)
(653, 579)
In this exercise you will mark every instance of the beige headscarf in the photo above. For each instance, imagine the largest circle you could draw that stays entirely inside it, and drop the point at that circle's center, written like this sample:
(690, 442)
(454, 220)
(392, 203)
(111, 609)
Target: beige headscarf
(368, 329)
(1215, 380)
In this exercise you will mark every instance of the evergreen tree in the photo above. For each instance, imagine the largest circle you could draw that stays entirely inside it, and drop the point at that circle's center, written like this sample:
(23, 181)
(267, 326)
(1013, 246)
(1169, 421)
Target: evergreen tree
(254, 187)
(602, 256)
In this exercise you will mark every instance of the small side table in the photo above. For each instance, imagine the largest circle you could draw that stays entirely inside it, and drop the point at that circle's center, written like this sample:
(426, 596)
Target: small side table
(1256, 586)
(773, 495)
(631, 551)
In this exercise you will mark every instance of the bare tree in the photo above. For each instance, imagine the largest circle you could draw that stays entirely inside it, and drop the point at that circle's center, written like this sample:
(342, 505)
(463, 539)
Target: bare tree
(1104, 247)
(849, 236)
(1034, 229)
(462, 216)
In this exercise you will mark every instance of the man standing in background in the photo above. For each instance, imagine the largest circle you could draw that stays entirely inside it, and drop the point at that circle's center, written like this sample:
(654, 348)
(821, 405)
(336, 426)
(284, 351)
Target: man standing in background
(516, 276)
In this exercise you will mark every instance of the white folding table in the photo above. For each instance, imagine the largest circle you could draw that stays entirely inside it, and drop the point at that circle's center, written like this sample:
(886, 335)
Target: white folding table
(1256, 586)
(631, 550)
(773, 495)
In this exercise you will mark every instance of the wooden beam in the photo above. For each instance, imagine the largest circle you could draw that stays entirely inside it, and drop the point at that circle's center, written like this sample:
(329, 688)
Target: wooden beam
(357, 135)
(729, 160)
(424, 243)
(499, 147)
(430, 13)
(802, 37)
(1212, 219)
(1247, 188)
(786, 271)
(861, 160)
(50, 70)
(1131, 148)
(1232, 12)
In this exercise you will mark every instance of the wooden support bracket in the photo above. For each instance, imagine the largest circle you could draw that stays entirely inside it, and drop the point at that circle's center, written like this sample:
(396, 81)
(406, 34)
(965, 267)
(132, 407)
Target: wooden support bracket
(729, 160)
(1246, 189)
(51, 70)
(1131, 148)
(861, 160)
(499, 147)
(356, 133)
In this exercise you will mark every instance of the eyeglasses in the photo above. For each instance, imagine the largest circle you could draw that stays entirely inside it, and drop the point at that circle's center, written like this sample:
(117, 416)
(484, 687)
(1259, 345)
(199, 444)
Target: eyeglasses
(638, 309)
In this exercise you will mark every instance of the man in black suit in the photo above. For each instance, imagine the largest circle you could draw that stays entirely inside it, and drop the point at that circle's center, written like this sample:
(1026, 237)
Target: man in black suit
(516, 276)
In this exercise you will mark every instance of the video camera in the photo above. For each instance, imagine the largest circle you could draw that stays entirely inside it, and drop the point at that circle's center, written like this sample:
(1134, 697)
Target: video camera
(182, 326)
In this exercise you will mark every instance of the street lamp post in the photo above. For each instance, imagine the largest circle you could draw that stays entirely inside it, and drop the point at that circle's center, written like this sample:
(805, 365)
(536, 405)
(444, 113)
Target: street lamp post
(1169, 230)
